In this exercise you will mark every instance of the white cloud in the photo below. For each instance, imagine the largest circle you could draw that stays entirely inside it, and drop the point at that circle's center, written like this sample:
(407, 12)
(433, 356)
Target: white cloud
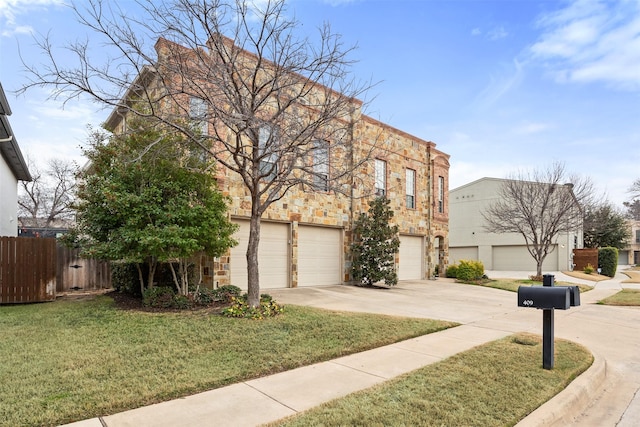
(493, 34)
(12, 10)
(497, 33)
(532, 128)
(499, 85)
(592, 41)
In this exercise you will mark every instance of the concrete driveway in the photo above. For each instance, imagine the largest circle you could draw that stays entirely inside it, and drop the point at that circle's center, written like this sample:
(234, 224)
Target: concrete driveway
(606, 395)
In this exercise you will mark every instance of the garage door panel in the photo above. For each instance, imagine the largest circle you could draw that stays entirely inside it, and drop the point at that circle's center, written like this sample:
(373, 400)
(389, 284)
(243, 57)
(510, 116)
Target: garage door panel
(623, 257)
(319, 255)
(411, 258)
(463, 252)
(273, 255)
(518, 258)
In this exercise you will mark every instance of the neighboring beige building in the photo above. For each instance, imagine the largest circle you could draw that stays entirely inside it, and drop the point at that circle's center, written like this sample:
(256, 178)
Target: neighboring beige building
(469, 240)
(631, 254)
(12, 169)
(305, 236)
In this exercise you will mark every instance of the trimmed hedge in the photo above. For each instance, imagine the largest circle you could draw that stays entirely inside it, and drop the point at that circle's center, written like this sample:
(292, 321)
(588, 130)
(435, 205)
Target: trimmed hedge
(466, 270)
(608, 261)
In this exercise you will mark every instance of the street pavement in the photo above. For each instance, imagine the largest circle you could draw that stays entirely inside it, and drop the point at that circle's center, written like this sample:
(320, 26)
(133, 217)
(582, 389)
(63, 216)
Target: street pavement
(607, 394)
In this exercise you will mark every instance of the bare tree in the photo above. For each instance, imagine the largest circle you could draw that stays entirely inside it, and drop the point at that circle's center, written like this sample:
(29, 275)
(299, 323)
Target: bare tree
(540, 205)
(275, 109)
(635, 189)
(50, 195)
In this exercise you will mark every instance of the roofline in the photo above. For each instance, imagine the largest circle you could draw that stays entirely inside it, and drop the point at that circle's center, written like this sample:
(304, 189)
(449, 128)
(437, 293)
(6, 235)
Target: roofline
(9, 145)
(115, 117)
(5, 109)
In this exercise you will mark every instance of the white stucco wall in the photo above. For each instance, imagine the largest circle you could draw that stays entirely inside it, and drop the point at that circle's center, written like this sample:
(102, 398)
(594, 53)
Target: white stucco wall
(8, 201)
(466, 227)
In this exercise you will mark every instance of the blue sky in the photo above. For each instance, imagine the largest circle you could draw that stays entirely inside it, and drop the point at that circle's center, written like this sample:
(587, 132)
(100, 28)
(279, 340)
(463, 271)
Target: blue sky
(501, 86)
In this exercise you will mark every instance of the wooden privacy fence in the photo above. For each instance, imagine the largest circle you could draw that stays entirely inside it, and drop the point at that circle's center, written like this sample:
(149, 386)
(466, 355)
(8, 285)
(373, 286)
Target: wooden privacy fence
(35, 269)
(27, 269)
(582, 257)
(76, 273)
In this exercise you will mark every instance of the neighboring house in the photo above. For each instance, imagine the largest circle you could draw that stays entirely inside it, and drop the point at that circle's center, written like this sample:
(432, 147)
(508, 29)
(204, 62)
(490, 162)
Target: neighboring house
(38, 227)
(12, 169)
(306, 236)
(469, 240)
(630, 255)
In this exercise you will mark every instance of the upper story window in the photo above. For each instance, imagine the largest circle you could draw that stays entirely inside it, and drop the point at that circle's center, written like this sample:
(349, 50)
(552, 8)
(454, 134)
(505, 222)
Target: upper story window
(198, 114)
(637, 236)
(441, 194)
(411, 188)
(381, 177)
(321, 165)
(268, 166)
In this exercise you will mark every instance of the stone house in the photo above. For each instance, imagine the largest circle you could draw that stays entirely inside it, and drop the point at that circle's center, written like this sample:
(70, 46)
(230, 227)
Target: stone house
(502, 252)
(306, 235)
(13, 168)
(630, 255)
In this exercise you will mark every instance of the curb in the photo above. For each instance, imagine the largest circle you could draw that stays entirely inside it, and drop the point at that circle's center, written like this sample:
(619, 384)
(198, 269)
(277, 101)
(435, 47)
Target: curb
(570, 403)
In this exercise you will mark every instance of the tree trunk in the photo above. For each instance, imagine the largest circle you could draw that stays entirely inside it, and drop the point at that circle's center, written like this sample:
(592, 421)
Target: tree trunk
(175, 278)
(253, 274)
(539, 268)
(152, 271)
(140, 278)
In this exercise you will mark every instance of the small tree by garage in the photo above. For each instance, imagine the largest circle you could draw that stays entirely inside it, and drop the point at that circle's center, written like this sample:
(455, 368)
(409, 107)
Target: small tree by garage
(375, 244)
(147, 200)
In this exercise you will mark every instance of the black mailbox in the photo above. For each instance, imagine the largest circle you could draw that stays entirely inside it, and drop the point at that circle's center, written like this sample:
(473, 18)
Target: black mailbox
(545, 297)
(574, 294)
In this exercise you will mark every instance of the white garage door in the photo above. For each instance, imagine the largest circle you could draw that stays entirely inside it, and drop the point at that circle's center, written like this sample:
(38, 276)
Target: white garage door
(319, 256)
(411, 258)
(518, 258)
(623, 257)
(463, 252)
(273, 255)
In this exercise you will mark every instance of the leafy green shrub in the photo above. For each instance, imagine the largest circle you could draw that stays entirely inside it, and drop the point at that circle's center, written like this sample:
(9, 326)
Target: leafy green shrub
(159, 296)
(203, 296)
(452, 271)
(182, 302)
(608, 261)
(374, 245)
(224, 294)
(240, 308)
(124, 278)
(469, 270)
(588, 269)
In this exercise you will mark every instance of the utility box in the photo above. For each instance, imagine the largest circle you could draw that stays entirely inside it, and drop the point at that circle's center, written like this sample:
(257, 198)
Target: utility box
(545, 297)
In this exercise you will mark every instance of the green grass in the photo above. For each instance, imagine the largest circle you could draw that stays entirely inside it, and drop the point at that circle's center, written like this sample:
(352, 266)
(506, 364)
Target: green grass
(626, 297)
(71, 360)
(496, 384)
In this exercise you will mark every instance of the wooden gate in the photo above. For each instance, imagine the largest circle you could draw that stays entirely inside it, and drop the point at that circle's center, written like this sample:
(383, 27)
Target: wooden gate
(27, 270)
(76, 273)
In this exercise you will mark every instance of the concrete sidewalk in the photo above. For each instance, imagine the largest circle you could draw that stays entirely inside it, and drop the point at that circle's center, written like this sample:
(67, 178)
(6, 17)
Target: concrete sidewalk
(486, 315)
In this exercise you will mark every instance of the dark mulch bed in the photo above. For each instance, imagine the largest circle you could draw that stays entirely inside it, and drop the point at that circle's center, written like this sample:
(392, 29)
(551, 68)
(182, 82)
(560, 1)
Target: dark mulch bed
(126, 301)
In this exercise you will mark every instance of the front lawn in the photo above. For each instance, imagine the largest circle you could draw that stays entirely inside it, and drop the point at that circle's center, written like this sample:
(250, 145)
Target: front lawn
(626, 297)
(496, 384)
(512, 285)
(70, 360)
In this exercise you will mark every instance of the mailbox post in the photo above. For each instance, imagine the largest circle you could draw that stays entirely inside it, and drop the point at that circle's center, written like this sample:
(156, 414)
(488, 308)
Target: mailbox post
(547, 298)
(548, 329)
